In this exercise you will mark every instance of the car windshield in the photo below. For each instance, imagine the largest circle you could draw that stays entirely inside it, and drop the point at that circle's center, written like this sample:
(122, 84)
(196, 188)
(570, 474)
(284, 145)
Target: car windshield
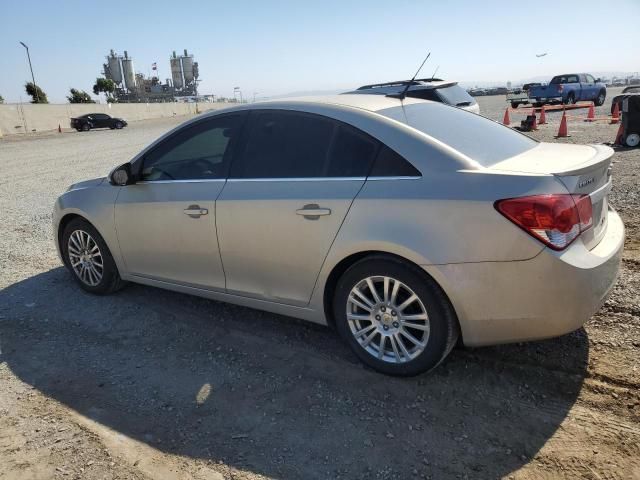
(483, 140)
(455, 95)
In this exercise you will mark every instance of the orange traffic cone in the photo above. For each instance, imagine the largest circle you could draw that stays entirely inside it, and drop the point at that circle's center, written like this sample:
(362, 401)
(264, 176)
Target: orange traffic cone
(618, 140)
(535, 121)
(591, 116)
(562, 131)
(543, 116)
(59, 129)
(615, 117)
(506, 120)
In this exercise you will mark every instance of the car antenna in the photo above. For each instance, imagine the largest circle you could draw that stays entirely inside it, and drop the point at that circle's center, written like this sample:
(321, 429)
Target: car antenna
(434, 73)
(402, 95)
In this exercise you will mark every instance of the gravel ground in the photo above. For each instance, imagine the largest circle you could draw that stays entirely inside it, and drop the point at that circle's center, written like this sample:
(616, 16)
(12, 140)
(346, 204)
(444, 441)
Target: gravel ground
(149, 384)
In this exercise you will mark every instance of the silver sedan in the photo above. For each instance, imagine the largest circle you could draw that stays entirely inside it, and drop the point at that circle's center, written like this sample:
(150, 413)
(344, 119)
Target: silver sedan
(405, 224)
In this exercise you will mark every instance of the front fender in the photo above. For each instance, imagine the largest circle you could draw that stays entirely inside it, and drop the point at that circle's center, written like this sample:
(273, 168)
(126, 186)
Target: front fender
(96, 205)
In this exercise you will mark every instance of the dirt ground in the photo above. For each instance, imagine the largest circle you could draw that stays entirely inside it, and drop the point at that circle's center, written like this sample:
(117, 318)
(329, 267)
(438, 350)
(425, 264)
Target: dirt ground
(149, 384)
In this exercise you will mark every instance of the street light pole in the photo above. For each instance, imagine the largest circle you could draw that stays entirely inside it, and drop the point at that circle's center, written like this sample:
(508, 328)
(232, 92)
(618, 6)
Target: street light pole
(33, 79)
(237, 89)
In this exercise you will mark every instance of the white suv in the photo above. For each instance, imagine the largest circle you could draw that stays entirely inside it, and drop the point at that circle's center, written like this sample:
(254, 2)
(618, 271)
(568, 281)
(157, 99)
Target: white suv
(435, 89)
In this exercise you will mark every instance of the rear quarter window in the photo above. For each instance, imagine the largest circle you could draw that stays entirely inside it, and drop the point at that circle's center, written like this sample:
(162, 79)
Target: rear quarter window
(483, 140)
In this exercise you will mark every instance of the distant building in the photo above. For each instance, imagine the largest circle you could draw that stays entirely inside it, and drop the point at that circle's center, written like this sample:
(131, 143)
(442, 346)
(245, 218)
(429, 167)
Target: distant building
(136, 88)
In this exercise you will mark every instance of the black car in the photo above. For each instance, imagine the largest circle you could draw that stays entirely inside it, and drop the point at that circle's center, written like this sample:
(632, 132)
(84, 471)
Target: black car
(96, 120)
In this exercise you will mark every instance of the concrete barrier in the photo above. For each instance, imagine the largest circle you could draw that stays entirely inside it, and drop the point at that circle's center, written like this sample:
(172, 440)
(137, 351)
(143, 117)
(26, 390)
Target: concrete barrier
(27, 117)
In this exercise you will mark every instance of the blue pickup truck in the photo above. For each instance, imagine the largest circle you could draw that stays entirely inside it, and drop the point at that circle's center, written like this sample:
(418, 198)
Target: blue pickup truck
(569, 88)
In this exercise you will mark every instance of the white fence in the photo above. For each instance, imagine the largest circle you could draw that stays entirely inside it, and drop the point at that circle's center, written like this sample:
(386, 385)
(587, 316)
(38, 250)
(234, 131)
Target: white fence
(27, 118)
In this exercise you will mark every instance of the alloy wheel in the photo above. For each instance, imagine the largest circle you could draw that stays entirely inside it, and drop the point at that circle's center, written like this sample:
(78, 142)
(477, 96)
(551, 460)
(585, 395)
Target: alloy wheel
(85, 257)
(388, 319)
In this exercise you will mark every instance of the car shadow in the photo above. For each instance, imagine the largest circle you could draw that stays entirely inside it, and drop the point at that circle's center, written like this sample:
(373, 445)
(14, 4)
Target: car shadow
(277, 396)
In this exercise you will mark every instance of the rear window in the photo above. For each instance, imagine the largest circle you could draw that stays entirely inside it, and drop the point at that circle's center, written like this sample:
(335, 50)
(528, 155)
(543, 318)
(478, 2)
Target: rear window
(483, 140)
(455, 95)
(564, 79)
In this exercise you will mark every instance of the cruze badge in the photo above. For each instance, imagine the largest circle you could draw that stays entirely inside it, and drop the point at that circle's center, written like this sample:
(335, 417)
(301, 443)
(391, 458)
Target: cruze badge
(584, 183)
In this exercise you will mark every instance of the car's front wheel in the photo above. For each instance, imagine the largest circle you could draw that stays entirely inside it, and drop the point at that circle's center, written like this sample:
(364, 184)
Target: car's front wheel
(394, 316)
(85, 127)
(600, 98)
(119, 125)
(87, 256)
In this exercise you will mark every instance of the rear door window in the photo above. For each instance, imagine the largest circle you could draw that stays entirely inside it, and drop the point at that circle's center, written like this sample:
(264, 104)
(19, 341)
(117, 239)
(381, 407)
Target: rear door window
(391, 164)
(424, 94)
(455, 95)
(286, 144)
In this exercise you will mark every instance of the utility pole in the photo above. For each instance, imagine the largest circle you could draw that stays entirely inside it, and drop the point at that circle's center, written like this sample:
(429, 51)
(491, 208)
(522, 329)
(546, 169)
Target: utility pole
(33, 79)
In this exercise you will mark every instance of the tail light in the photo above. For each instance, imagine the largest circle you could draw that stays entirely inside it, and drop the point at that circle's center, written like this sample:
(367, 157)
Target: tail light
(555, 220)
(560, 88)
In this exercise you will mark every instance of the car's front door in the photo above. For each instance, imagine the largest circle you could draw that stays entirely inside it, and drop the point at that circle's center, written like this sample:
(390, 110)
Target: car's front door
(166, 222)
(591, 87)
(290, 187)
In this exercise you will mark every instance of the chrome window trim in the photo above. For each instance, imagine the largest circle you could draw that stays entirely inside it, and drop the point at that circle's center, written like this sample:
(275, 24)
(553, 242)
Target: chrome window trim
(298, 179)
(395, 178)
(201, 180)
(280, 179)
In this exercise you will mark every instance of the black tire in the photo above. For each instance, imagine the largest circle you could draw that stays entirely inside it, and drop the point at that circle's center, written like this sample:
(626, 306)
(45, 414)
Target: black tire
(538, 104)
(515, 104)
(79, 129)
(85, 127)
(602, 96)
(119, 125)
(571, 99)
(110, 281)
(443, 323)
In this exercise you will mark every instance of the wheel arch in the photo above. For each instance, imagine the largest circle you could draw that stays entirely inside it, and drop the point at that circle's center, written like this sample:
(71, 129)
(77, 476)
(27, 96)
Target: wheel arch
(68, 218)
(343, 265)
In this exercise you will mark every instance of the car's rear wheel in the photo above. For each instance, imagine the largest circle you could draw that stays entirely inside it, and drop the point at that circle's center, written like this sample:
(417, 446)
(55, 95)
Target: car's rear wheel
(515, 104)
(87, 256)
(571, 99)
(119, 125)
(85, 127)
(395, 317)
(600, 98)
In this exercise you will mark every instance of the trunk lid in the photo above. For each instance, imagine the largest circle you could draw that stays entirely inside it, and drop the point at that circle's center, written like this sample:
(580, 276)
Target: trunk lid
(582, 169)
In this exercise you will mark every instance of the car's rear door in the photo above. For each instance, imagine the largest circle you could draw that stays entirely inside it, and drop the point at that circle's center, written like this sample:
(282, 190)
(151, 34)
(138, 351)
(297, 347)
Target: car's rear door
(290, 187)
(166, 222)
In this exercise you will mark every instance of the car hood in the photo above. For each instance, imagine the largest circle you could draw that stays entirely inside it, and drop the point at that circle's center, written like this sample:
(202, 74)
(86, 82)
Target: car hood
(87, 183)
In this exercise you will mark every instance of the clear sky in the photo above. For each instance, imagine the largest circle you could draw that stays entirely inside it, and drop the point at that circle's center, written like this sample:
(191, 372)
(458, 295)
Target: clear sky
(276, 47)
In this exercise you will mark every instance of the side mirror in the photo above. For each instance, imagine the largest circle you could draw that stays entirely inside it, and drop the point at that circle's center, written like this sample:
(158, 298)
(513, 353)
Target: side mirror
(121, 175)
(598, 80)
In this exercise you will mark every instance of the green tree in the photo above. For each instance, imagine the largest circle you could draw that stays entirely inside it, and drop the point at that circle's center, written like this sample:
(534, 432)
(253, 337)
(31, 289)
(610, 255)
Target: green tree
(1, 99)
(106, 86)
(36, 93)
(79, 96)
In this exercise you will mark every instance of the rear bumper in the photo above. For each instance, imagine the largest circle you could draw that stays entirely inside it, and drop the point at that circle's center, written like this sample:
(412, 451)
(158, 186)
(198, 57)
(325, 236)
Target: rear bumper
(549, 295)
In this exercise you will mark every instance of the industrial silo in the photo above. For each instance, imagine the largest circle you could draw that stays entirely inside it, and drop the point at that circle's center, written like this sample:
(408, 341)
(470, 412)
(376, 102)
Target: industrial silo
(187, 68)
(129, 73)
(176, 72)
(114, 71)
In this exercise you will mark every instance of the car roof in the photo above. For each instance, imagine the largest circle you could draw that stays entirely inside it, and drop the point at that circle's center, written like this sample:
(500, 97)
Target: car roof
(368, 102)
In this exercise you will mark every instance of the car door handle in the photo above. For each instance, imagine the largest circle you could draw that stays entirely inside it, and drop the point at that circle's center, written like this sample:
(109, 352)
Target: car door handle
(313, 211)
(194, 211)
